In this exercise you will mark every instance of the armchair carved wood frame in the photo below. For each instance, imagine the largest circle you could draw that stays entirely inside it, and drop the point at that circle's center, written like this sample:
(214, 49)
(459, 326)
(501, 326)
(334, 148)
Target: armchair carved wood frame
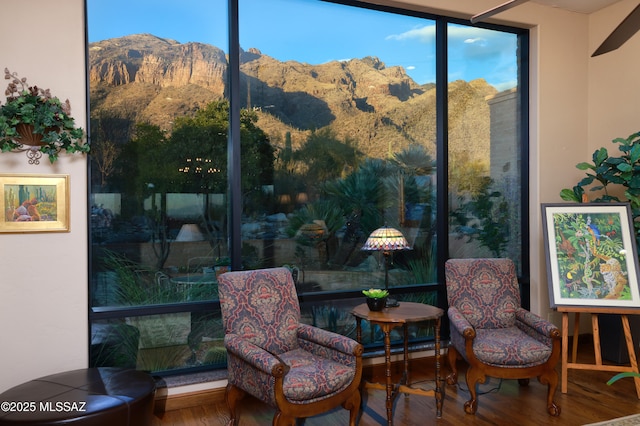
(298, 369)
(493, 333)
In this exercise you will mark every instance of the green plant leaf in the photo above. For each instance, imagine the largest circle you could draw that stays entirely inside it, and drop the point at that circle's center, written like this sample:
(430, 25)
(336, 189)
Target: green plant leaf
(586, 181)
(634, 154)
(585, 166)
(635, 200)
(569, 195)
(376, 293)
(599, 156)
(621, 376)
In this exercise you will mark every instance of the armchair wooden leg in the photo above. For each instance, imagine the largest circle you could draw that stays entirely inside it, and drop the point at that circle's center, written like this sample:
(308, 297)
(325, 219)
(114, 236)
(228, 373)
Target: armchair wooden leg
(283, 420)
(353, 405)
(473, 378)
(232, 396)
(363, 399)
(550, 378)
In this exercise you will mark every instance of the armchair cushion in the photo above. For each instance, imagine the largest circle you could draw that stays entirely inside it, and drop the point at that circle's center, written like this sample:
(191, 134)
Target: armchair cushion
(312, 377)
(509, 347)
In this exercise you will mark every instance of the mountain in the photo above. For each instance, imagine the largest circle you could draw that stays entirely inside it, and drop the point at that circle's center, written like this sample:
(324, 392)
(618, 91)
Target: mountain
(144, 78)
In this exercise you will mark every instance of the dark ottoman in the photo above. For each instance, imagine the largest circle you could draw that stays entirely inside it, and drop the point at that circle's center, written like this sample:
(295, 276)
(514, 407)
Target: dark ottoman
(85, 397)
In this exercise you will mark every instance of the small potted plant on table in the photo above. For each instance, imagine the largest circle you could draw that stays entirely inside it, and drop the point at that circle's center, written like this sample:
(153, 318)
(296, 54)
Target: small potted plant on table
(376, 298)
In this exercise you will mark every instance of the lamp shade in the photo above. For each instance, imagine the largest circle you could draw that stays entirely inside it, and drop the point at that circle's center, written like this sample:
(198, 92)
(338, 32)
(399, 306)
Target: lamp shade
(386, 239)
(190, 232)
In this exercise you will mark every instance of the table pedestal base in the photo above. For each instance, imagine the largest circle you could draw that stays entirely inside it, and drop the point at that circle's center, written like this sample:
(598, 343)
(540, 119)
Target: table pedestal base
(387, 320)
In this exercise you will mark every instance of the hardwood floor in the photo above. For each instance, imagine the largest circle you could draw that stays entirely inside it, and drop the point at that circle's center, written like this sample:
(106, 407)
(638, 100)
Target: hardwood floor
(588, 399)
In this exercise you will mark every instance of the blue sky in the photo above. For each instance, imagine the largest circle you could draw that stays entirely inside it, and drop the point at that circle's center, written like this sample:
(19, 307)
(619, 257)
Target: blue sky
(314, 32)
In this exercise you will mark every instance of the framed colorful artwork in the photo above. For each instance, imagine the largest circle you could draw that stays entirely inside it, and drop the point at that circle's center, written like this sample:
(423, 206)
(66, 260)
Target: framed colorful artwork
(34, 203)
(591, 255)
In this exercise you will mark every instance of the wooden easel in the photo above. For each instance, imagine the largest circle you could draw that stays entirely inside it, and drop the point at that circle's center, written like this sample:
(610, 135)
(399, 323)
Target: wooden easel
(596, 343)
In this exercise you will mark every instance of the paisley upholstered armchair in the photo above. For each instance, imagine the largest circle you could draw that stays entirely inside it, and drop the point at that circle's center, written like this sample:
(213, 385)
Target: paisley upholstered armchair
(493, 333)
(298, 369)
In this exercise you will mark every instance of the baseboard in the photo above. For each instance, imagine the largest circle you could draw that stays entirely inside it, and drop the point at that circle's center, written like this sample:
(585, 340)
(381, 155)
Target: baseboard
(166, 402)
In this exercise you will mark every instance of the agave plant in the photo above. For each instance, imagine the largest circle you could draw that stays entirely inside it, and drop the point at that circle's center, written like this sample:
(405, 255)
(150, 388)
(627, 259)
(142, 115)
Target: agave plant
(376, 293)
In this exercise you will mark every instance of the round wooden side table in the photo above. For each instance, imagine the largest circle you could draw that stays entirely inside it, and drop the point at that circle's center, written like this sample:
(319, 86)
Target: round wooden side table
(388, 319)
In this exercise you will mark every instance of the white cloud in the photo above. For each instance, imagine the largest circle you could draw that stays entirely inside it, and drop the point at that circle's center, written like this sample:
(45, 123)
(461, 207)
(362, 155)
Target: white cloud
(473, 52)
(474, 40)
(482, 53)
(424, 34)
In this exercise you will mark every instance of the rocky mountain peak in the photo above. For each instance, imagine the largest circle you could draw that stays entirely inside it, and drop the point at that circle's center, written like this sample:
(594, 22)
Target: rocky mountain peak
(382, 109)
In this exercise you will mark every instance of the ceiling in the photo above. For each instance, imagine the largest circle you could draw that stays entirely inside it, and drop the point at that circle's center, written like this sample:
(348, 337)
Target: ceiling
(582, 6)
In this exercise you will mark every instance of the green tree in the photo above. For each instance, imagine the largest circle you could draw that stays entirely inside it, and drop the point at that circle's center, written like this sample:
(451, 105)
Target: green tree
(193, 159)
(413, 182)
(144, 167)
(199, 151)
(324, 157)
(148, 174)
(485, 217)
(464, 172)
(362, 195)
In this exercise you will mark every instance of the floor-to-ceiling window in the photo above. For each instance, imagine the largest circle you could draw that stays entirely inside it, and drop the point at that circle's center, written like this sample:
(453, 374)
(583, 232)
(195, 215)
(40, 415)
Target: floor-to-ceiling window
(487, 145)
(348, 122)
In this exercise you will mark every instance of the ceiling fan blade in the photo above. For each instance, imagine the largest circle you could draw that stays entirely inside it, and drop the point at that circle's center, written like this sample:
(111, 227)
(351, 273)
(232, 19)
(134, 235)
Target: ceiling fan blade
(621, 34)
(489, 13)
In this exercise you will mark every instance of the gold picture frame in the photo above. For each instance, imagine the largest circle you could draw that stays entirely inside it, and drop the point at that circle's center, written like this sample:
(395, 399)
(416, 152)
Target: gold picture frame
(34, 203)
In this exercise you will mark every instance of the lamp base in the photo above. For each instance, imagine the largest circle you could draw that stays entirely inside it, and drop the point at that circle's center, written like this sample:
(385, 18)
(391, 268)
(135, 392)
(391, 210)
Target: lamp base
(391, 303)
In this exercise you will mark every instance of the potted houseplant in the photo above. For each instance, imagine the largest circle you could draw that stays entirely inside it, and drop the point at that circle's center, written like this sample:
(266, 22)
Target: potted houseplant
(608, 176)
(376, 298)
(612, 177)
(33, 120)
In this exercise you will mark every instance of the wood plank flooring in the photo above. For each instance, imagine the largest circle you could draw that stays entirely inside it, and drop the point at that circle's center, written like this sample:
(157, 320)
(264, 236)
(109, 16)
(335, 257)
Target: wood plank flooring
(589, 399)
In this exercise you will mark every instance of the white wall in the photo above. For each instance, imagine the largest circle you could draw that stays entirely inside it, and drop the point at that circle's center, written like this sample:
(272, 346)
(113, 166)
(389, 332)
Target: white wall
(43, 277)
(614, 108)
(577, 105)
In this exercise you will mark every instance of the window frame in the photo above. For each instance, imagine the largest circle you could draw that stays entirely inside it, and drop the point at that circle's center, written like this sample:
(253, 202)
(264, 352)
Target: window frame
(442, 209)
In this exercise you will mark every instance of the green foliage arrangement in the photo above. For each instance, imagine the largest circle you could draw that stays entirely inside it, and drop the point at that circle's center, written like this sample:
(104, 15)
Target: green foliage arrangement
(485, 217)
(376, 293)
(31, 116)
(611, 177)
